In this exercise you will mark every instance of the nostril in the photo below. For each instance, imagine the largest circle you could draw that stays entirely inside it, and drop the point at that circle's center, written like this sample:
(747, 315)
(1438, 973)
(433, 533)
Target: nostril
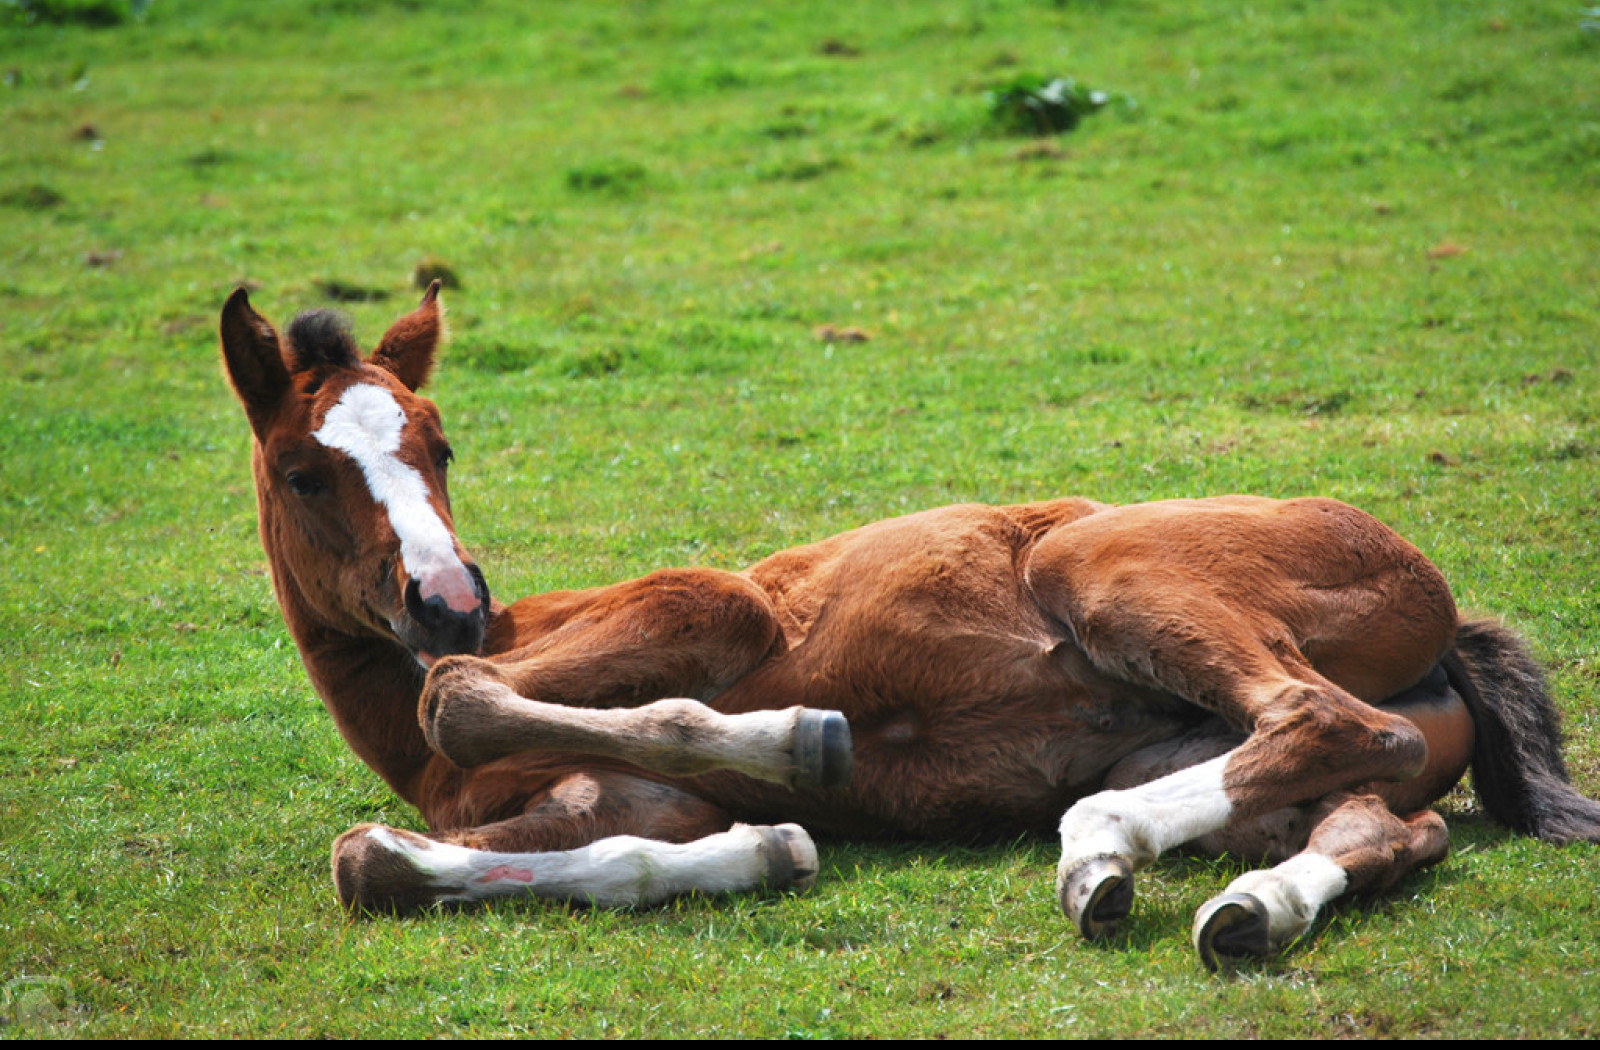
(432, 612)
(414, 604)
(428, 612)
(480, 585)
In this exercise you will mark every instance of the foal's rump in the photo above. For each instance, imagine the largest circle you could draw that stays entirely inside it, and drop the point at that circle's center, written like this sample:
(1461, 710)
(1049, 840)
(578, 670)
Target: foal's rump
(1220, 600)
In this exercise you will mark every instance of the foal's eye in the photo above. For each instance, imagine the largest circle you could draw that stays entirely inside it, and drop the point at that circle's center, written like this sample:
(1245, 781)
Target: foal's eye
(445, 458)
(302, 484)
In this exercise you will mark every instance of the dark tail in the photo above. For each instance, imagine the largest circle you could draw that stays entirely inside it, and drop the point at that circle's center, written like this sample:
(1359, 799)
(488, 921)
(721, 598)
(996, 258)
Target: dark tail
(1516, 759)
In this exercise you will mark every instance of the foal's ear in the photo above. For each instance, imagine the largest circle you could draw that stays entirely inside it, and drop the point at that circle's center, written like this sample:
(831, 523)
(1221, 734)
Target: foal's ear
(407, 349)
(254, 360)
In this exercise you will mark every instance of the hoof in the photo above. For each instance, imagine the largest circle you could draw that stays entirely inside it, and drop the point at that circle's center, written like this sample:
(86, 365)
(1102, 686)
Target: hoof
(1097, 895)
(462, 711)
(823, 754)
(430, 733)
(442, 711)
(791, 858)
(371, 876)
(1230, 929)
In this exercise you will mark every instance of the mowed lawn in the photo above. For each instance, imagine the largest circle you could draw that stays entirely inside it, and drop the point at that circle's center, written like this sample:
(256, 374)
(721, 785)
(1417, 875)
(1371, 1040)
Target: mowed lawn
(1308, 248)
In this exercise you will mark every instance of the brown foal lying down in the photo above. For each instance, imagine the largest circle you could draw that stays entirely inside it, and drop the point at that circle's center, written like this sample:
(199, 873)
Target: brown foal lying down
(1279, 679)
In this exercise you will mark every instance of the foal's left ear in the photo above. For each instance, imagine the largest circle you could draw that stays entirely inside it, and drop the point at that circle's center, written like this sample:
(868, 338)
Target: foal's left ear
(407, 349)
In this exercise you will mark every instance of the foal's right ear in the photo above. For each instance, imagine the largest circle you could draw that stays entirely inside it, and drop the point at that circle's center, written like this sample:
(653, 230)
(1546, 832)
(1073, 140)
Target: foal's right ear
(407, 348)
(254, 359)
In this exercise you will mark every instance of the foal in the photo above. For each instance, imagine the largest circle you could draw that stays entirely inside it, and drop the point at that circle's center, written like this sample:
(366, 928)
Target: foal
(1284, 680)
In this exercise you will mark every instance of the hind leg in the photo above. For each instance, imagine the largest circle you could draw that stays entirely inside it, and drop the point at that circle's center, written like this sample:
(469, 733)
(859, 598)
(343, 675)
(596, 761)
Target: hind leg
(597, 838)
(1327, 828)
(1314, 740)
(1224, 603)
(1357, 846)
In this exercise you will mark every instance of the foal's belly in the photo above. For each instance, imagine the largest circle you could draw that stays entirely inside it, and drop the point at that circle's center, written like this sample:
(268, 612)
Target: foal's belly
(973, 713)
(962, 772)
(960, 735)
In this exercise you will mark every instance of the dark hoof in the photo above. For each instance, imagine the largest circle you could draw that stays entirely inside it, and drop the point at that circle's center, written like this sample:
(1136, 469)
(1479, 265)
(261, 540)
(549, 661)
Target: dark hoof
(791, 857)
(1230, 929)
(372, 877)
(823, 754)
(1097, 895)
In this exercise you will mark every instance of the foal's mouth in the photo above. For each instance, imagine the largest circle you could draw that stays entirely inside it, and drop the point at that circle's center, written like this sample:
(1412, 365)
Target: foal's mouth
(432, 628)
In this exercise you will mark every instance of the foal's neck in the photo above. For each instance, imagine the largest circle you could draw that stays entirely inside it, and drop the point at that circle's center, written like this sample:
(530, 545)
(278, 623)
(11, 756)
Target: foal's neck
(371, 687)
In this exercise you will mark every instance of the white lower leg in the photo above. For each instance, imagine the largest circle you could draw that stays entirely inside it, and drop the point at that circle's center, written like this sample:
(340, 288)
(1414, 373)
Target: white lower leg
(1138, 824)
(1293, 893)
(756, 743)
(617, 871)
(484, 721)
(794, 746)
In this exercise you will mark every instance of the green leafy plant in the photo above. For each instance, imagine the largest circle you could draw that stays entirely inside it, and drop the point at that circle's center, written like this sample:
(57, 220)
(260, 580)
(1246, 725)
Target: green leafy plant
(1030, 104)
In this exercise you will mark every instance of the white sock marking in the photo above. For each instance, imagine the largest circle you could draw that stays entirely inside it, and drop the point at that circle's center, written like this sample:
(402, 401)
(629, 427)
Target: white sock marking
(1140, 823)
(1293, 892)
(617, 871)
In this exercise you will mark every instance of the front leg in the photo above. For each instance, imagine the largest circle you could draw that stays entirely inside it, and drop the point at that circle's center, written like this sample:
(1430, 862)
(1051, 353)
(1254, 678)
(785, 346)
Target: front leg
(593, 835)
(376, 868)
(471, 716)
(586, 672)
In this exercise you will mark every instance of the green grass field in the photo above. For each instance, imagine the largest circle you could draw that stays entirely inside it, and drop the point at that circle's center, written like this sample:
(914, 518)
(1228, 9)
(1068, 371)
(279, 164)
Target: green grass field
(1335, 248)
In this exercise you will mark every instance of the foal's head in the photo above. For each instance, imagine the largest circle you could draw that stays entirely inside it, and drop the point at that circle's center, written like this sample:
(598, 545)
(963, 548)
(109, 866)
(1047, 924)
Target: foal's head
(350, 468)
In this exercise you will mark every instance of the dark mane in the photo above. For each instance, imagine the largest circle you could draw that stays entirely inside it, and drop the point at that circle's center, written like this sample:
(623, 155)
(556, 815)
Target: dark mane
(322, 337)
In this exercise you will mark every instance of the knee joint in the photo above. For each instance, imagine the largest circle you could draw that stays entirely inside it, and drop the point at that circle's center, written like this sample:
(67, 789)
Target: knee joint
(1403, 743)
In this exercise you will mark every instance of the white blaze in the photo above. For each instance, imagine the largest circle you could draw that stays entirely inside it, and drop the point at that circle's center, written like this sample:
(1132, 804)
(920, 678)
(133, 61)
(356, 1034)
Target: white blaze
(366, 426)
